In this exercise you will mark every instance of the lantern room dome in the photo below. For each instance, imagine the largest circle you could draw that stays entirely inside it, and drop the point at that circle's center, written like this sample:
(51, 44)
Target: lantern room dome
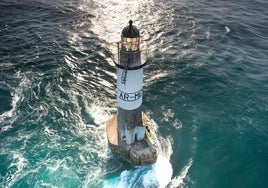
(130, 31)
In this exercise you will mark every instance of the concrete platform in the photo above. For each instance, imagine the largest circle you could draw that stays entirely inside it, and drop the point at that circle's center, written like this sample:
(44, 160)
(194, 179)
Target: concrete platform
(141, 152)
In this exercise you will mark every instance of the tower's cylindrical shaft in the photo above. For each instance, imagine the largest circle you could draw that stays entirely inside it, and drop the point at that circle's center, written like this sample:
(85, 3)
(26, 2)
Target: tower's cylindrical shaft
(129, 86)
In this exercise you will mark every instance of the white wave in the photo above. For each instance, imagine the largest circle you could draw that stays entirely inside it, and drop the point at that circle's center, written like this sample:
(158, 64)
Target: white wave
(17, 96)
(44, 184)
(18, 165)
(56, 164)
(178, 181)
(156, 175)
(20, 161)
(160, 174)
(126, 178)
(5, 128)
(10, 113)
(99, 114)
(82, 158)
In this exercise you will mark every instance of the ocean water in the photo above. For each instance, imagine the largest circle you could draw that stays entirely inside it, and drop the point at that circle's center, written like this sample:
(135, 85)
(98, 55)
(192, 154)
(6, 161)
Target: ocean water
(205, 92)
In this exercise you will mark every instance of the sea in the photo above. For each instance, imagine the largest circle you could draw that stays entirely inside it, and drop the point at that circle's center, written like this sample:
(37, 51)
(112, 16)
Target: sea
(205, 93)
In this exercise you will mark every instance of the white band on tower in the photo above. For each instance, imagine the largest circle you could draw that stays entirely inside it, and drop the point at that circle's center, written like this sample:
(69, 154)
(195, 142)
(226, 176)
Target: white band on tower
(129, 90)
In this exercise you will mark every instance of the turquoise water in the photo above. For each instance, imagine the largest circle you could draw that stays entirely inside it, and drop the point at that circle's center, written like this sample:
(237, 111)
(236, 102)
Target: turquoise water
(205, 92)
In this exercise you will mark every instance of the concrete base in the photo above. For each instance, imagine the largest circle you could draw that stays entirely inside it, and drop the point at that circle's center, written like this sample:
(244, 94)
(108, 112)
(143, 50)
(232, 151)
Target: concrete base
(141, 152)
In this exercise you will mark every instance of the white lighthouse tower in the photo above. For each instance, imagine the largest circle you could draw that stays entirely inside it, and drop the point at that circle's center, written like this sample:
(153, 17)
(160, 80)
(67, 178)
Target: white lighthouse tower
(126, 132)
(129, 86)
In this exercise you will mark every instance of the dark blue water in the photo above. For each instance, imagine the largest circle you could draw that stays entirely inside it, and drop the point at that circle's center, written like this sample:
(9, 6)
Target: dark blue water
(205, 92)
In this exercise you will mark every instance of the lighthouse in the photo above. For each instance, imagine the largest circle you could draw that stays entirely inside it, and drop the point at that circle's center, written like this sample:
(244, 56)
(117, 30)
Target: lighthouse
(127, 132)
(129, 86)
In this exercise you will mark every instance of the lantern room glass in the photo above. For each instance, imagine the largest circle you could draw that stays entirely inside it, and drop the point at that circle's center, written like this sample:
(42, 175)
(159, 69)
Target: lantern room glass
(130, 44)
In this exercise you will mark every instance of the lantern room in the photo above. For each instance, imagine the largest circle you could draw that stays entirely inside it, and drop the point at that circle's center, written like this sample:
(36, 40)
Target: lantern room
(130, 38)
